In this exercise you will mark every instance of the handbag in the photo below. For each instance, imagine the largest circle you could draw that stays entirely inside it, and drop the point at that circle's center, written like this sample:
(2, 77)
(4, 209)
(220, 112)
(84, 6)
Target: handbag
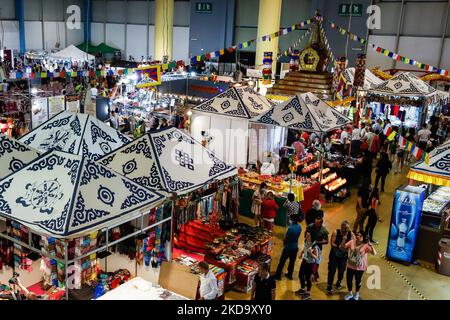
(354, 258)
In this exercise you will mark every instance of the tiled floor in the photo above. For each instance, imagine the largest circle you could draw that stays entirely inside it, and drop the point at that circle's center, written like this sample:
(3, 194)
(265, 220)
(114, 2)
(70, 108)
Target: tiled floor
(424, 283)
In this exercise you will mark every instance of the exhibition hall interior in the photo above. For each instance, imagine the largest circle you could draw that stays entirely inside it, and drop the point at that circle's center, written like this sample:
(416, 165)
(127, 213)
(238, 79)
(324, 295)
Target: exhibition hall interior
(221, 150)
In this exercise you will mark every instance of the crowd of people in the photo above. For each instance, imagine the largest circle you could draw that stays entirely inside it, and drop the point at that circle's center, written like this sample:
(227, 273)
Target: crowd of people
(350, 244)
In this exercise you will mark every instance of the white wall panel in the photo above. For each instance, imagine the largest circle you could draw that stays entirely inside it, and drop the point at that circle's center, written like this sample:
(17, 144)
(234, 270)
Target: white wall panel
(445, 63)
(54, 32)
(75, 37)
(151, 41)
(375, 59)
(425, 50)
(181, 43)
(33, 35)
(115, 36)
(97, 31)
(10, 37)
(136, 41)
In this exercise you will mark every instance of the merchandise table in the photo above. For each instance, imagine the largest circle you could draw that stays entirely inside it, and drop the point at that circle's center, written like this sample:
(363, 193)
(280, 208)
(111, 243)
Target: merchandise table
(310, 194)
(140, 289)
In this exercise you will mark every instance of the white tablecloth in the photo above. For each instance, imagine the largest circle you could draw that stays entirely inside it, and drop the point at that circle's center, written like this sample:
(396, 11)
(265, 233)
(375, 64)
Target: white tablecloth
(138, 289)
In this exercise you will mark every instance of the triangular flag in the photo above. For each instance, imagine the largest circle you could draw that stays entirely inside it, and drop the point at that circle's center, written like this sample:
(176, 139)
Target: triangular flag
(427, 158)
(392, 135)
(409, 146)
(418, 154)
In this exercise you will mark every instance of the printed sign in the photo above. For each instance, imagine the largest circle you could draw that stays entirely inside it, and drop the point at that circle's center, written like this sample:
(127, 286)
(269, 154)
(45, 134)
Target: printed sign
(346, 10)
(203, 7)
(148, 76)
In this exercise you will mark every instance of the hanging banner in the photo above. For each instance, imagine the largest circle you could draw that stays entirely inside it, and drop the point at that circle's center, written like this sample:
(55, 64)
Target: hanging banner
(148, 76)
(55, 105)
(267, 68)
(39, 111)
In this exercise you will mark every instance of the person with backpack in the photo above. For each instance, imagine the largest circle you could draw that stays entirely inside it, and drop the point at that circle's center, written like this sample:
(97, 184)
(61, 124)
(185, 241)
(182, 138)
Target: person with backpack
(309, 255)
(290, 249)
(338, 255)
(358, 249)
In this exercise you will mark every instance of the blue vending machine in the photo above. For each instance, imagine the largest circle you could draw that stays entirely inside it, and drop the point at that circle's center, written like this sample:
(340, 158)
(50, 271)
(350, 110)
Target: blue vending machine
(405, 221)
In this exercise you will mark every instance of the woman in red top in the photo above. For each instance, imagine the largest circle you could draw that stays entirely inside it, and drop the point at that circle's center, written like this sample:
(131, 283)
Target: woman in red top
(269, 211)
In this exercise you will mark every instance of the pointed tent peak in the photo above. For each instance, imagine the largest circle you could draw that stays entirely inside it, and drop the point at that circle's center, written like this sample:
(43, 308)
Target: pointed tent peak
(304, 112)
(168, 160)
(75, 133)
(72, 53)
(370, 79)
(404, 84)
(238, 102)
(65, 195)
(14, 155)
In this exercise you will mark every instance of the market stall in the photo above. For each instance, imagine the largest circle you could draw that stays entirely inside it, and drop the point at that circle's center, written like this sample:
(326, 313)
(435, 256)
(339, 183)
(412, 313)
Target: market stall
(223, 121)
(429, 208)
(76, 133)
(168, 160)
(405, 100)
(69, 214)
(308, 113)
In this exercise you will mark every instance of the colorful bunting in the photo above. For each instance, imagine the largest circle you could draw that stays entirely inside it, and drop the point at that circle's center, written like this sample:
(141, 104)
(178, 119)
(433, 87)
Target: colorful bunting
(390, 54)
(246, 44)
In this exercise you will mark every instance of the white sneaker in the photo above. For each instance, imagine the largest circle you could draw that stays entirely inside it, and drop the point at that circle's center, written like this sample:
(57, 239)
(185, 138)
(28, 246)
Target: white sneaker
(356, 296)
(349, 296)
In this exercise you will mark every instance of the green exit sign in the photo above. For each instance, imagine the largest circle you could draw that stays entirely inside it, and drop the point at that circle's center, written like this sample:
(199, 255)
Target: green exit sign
(203, 7)
(347, 9)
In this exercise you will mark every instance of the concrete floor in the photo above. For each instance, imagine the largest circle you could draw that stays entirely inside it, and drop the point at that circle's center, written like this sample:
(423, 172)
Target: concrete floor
(398, 282)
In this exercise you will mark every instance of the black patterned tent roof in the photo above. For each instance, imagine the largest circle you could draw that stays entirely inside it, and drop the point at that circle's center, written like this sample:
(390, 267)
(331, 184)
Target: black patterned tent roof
(76, 133)
(237, 102)
(14, 155)
(66, 195)
(304, 112)
(168, 160)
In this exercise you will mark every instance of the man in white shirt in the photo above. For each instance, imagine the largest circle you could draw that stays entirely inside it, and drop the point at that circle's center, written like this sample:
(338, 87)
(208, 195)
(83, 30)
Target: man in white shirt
(423, 136)
(356, 133)
(344, 135)
(208, 282)
(94, 92)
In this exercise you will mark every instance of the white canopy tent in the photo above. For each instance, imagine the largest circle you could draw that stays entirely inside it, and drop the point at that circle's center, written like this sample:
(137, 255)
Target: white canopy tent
(437, 171)
(72, 53)
(370, 79)
(304, 112)
(168, 160)
(14, 155)
(65, 195)
(225, 120)
(76, 133)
